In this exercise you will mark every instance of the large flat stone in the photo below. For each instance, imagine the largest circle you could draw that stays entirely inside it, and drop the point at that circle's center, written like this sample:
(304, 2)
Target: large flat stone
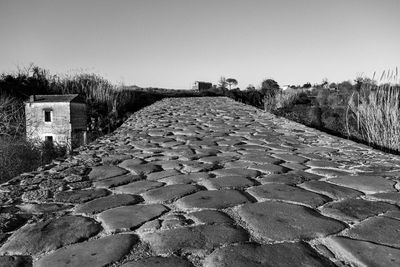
(129, 217)
(168, 193)
(260, 158)
(330, 172)
(237, 171)
(137, 187)
(97, 252)
(171, 261)
(227, 182)
(49, 235)
(284, 254)
(162, 174)
(140, 169)
(290, 158)
(80, 196)
(212, 199)
(186, 178)
(105, 203)
(104, 172)
(379, 230)
(117, 181)
(356, 209)
(269, 168)
(286, 178)
(366, 184)
(193, 239)
(361, 253)
(287, 193)
(277, 221)
(331, 190)
(210, 217)
(391, 197)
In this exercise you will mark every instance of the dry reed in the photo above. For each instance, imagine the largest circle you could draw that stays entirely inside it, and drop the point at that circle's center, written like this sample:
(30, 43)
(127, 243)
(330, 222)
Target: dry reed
(376, 109)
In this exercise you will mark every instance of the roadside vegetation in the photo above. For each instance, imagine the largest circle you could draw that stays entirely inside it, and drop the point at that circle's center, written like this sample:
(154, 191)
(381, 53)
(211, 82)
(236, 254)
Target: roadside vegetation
(108, 106)
(364, 110)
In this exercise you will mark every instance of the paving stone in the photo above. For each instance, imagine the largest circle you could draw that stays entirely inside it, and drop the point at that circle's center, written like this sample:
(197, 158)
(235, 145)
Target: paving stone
(169, 164)
(294, 166)
(80, 196)
(329, 172)
(379, 230)
(227, 182)
(356, 209)
(391, 197)
(140, 169)
(287, 193)
(97, 252)
(128, 162)
(366, 184)
(217, 159)
(260, 158)
(15, 261)
(393, 214)
(168, 193)
(105, 203)
(322, 164)
(105, 171)
(284, 254)
(331, 190)
(269, 168)
(80, 185)
(195, 166)
(277, 221)
(361, 253)
(237, 171)
(49, 235)
(196, 239)
(115, 159)
(129, 217)
(36, 195)
(137, 187)
(285, 178)
(117, 181)
(290, 158)
(212, 199)
(172, 261)
(162, 174)
(210, 217)
(43, 207)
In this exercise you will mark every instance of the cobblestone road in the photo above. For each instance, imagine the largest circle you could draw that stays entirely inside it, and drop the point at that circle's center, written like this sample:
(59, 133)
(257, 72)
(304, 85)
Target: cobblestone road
(206, 182)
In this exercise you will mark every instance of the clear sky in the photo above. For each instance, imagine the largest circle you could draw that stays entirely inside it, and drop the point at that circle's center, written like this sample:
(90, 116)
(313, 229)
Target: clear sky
(172, 43)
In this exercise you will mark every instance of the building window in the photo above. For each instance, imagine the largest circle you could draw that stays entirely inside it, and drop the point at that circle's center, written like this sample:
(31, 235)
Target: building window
(47, 115)
(48, 139)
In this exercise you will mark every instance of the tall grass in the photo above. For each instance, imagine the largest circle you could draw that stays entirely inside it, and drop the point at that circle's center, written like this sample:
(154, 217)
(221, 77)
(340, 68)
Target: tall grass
(289, 97)
(374, 111)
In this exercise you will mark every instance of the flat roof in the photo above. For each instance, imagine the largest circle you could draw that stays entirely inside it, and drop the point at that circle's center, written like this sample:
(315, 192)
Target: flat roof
(55, 98)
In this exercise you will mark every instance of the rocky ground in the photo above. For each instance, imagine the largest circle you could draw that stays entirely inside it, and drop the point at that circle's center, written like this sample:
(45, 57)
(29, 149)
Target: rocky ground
(206, 182)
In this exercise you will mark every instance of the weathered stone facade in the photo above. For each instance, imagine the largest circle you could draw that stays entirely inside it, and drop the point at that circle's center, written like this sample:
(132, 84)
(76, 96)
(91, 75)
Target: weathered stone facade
(57, 118)
(207, 182)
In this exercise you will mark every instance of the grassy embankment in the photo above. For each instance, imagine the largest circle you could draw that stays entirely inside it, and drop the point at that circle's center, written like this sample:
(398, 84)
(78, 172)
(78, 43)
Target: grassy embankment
(108, 106)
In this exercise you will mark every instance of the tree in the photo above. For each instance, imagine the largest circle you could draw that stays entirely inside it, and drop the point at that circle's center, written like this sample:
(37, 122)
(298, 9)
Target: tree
(269, 87)
(307, 85)
(222, 82)
(250, 87)
(231, 81)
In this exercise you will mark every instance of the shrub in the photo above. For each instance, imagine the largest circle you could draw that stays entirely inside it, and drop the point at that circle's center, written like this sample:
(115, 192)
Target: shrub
(375, 111)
